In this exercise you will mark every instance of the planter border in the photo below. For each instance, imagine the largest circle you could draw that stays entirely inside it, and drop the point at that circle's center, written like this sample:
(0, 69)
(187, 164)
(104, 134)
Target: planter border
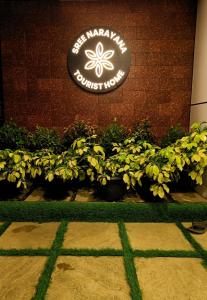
(105, 212)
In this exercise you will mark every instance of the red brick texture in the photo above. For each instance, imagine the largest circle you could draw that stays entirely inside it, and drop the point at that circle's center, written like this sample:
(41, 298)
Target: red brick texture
(36, 36)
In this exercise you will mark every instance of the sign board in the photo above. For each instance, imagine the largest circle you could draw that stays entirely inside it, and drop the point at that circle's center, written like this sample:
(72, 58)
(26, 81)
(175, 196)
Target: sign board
(99, 60)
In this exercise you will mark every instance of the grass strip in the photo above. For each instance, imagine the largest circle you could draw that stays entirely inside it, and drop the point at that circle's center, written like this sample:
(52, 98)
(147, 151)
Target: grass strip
(108, 212)
(164, 253)
(45, 277)
(193, 242)
(25, 252)
(136, 293)
(91, 252)
(4, 227)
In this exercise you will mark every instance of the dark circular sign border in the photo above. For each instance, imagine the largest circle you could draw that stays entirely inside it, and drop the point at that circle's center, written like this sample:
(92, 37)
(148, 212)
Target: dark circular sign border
(86, 89)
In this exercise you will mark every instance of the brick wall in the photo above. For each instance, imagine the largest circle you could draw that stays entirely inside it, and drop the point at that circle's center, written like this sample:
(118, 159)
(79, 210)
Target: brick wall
(36, 36)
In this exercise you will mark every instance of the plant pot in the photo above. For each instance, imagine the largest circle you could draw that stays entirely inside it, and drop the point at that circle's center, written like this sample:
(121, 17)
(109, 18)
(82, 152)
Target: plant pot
(56, 189)
(147, 195)
(183, 185)
(9, 191)
(114, 190)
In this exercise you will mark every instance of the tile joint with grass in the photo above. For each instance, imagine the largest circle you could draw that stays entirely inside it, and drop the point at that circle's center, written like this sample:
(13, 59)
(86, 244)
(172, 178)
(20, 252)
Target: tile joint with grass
(45, 277)
(130, 269)
(198, 248)
(4, 227)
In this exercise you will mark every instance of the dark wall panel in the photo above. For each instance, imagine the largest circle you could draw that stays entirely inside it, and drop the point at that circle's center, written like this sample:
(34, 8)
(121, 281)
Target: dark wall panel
(36, 36)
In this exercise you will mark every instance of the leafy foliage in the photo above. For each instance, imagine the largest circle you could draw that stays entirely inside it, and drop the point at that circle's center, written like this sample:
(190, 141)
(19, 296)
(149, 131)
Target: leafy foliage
(77, 130)
(91, 157)
(174, 133)
(15, 166)
(13, 137)
(132, 160)
(136, 161)
(45, 138)
(142, 132)
(113, 133)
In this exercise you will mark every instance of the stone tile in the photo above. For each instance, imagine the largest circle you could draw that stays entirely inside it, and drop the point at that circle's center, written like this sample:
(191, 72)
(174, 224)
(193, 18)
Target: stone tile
(21, 235)
(171, 278)
(191, 197)
(36, 195)
(39, 195)
(92, 235)
(163, 236)
(89, 278)
(85, 195)
(20, 276)
(200, 238)
(133, 198)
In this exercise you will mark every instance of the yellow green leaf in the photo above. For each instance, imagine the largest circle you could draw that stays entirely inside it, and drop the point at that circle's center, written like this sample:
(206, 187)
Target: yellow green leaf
(104, 181)
(161, 192)
(126, 179)
(16, 158)
(2, 164)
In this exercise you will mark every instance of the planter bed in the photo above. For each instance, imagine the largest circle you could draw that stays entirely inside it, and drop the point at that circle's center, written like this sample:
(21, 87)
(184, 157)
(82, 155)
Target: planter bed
(86, 194)
(111, 212)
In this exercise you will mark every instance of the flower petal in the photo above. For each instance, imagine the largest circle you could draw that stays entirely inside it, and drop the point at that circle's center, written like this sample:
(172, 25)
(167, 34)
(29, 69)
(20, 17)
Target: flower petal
(90, 65)
(108, 54)
(107, 65)
(99, 50)
(99, 70)
(90, 54)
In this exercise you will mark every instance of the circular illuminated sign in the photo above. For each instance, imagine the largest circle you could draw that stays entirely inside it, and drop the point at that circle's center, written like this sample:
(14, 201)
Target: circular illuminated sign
(99, 60)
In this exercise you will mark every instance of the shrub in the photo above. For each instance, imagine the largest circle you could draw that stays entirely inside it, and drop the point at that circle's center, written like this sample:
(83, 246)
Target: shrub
(77, 130)
(15, 166)
(174, 133)
(91, 158)
(13, 137)
(45, 138)
(142, 131)
(113, 133)
(54, 166)
(133, 161)
(137, 161)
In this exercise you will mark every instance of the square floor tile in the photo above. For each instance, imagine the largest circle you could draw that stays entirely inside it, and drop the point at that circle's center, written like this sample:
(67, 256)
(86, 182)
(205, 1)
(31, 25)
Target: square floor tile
(36, 195)
(95, 235)
(200, 238)
(19, 276)
(191, 197)
(85, 195)
(21, 235)
(88, 278)
(39, 195)
(172, 278)
(163, 236)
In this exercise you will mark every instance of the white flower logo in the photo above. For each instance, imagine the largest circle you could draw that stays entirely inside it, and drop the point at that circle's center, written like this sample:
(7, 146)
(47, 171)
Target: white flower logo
(99, 59)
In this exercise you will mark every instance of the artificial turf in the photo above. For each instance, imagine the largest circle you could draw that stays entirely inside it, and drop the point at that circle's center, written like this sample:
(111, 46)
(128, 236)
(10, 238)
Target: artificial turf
(127, 253)
(105, 212)
(45, 277)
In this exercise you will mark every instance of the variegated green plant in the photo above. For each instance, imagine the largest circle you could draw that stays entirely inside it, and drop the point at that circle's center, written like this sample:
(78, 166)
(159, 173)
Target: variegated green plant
(91, 158)
(15, 166)
(52, 166)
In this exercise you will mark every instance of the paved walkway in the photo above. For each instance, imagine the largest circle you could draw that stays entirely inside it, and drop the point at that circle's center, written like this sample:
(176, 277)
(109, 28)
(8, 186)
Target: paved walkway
(87, 195)
(82, 260)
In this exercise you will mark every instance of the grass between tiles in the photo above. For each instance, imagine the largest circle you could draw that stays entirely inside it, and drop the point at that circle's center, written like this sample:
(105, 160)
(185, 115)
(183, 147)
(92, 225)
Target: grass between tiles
(131, 275)
(45, 277)
(4, 227)
(91, 252)
(166, 253)
(195, 245)
(128, 256)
